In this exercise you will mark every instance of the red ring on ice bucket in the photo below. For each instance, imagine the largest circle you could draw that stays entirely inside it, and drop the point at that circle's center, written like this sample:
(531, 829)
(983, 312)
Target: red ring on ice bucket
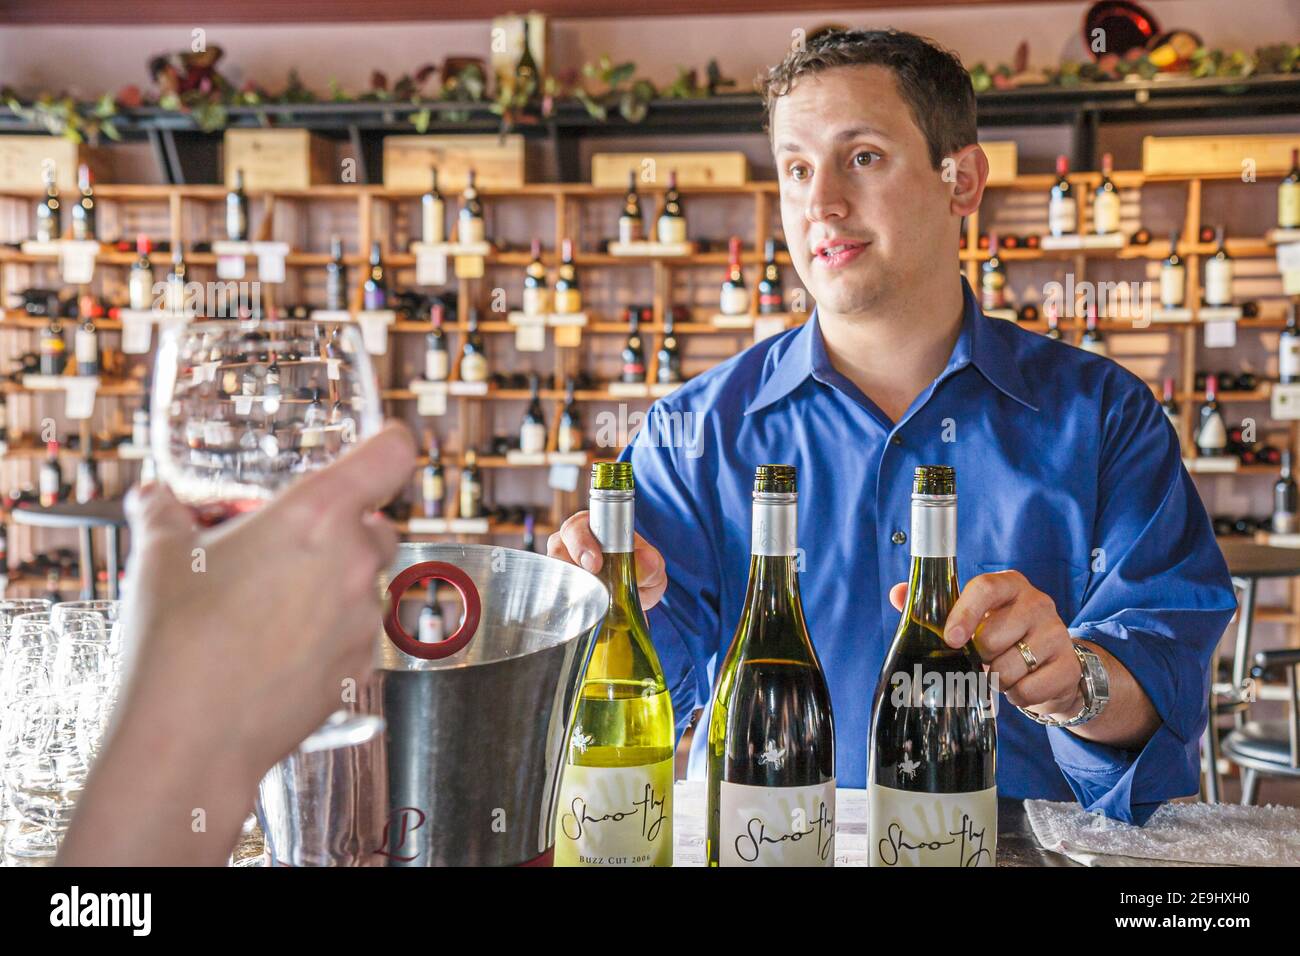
(422, 573)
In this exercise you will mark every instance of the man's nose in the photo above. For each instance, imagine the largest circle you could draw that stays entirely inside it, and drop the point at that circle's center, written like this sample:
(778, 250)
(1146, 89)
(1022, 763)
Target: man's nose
(827, 199)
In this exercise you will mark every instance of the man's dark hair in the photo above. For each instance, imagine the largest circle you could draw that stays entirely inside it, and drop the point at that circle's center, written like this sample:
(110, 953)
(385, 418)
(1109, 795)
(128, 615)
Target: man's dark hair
(931, 79)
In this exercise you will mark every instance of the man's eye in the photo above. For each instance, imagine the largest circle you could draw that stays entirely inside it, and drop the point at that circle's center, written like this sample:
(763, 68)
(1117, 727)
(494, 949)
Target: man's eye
(798, 172)
(866, 158)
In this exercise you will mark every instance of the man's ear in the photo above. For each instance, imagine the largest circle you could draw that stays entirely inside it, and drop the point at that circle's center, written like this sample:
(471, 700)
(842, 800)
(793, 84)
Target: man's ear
(970, 171)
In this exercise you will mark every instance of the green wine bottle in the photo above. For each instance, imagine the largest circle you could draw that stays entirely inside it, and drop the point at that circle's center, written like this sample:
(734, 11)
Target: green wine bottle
(932, 789)
(616, 799)
(771, 734)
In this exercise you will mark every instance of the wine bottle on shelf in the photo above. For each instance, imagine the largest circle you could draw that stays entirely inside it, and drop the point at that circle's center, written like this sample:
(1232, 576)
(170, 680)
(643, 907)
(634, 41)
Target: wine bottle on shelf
(1218, 273)
(617, 789)
(1053, 320)
(53, 348)
(671, 227)
(437, 360)
(630, 221)
(4, 431)
(529, 542)
(735, 298)
(140, 282)
(175, 299)
(1211, 431)
(433, 222)
(1288, 349)
(1092, 340)
(473, 358)
(87, 488)
(568, 296)
(237, 210)
(568, 437)
(1062, 207)
(470, 227)
(433, 487)
(374, 295)
(668, 367)
(50, 480)
(993, 278)
(532, 432)
(1105, 202)
(771, 766)
(1288, 195)
(1286, 499)
(471, 487)
(49, 213)
(1173, 276)
(633, 355)
(52, 587)
(1169, 403)
(140, 422)
(336, 278)
(771, 298)
(536, 294)
(83, 213)
(526, 67)
(85, 346)
(429, 627)
(932, 769)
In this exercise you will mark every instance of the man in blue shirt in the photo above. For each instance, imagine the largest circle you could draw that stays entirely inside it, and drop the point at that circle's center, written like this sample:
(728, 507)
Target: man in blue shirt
(1078, 524)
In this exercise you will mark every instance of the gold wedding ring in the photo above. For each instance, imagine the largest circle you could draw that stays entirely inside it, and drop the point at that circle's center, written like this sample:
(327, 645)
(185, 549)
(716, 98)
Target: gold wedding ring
(1030, 660)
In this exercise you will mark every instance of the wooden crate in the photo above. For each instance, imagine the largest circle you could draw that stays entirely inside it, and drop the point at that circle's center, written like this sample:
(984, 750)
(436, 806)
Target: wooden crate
(279, 159)
(498, 161)
(1002, 161)
(1206, 155)
(609, 170)
(22, 161)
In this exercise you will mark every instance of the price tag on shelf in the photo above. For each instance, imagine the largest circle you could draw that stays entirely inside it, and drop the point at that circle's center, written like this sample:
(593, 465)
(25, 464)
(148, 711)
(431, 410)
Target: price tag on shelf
(430, 264)
(270, 260)
(374, 329)
(230, 267)
(137, 331)
(430, 397)
(1220, 335)
(563, 477)
(77, 260)
(243, 404)
(79, 395)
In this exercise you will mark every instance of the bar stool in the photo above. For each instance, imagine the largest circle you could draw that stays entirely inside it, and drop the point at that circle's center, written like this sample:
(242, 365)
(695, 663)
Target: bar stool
(85, 518)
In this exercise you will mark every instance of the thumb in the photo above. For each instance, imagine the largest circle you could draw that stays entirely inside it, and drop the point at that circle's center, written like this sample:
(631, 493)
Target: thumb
(897, 595)
(153, 511)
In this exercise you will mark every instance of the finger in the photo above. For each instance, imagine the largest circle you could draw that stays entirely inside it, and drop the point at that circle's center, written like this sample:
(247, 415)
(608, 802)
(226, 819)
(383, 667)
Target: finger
(1000, 629)
(363, 479)
(982, 594)
(650, 569)
(580, 542)
(555, 548)
(898, 595)
(1052, 688)
(153, 510)
(382, 537)
(1011, 666)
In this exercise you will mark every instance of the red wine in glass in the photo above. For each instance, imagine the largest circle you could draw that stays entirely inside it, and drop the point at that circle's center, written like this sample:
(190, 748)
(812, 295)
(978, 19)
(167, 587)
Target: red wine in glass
(209, 514)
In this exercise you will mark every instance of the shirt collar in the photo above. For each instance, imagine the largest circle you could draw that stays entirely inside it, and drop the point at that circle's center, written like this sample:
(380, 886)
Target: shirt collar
(978, 344)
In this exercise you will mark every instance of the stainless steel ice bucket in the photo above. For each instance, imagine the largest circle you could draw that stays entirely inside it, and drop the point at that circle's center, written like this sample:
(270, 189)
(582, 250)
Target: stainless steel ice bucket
(477, 724)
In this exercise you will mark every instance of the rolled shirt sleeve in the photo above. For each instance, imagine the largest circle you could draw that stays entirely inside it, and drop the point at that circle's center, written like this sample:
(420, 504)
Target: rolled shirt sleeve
(1159, 599)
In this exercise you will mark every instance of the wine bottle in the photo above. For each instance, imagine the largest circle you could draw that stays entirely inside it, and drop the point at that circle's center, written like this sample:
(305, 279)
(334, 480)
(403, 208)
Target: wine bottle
(83, 213)
(175, 297)
(1211, 432)
(932, 793)
(140, 283)
(529, 542)
(568, 438)
(771, 767)
(568, 296)
(1286, 499)
(993, 279)
(50, 480)
(1173, 276)
(633, 355)
(1218, 273)
(671, 227)
(237, 210)
(771, 299)
(1288, 196)
(1169, 403)
(471, 487)
(471, 227)
(735, 298)
(1062, 209)
(53, 349)
(668, 366)
(617, 789)
(432, 211)
(429, 628)
(526, 67)
(532, 432)
(1288, 349)
(1105, 202)
(87, 488)
(336, 278)
(433, 487)
(536, 295)
(374, 296)
(1092, 340)
(49, 214)
(437, 360)
(630, 221)
(473, 358)
(85, 346)
(1053, 320)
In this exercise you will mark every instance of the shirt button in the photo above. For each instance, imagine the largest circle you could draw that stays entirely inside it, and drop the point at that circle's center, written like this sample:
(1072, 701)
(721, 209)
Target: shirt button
(897, 439)
(899, 538)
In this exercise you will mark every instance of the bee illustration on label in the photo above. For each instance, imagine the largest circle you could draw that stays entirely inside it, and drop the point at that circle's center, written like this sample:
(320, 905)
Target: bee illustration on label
(908, 767)
(771, 757)
(581, 740)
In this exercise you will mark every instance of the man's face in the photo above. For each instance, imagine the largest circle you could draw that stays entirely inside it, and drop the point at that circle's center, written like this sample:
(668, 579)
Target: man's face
(866, 216)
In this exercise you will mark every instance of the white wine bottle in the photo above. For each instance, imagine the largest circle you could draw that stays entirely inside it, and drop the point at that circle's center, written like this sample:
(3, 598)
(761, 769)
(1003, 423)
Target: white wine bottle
(616, 799)
(771, 771)
(932, 783)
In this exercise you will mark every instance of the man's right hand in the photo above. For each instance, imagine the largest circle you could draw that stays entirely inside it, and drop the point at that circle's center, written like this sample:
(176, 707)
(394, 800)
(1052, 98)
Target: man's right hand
(575, 543)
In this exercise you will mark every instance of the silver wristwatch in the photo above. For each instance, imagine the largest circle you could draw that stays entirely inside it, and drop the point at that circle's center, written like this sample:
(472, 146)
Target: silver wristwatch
(1093, 684)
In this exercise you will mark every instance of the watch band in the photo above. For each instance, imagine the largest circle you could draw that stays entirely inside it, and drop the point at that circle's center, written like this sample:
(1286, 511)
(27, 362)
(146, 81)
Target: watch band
(1094, 685)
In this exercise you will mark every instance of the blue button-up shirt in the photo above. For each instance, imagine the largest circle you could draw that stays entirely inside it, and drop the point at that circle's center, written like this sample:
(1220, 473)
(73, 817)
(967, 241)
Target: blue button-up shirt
(1067, 471)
